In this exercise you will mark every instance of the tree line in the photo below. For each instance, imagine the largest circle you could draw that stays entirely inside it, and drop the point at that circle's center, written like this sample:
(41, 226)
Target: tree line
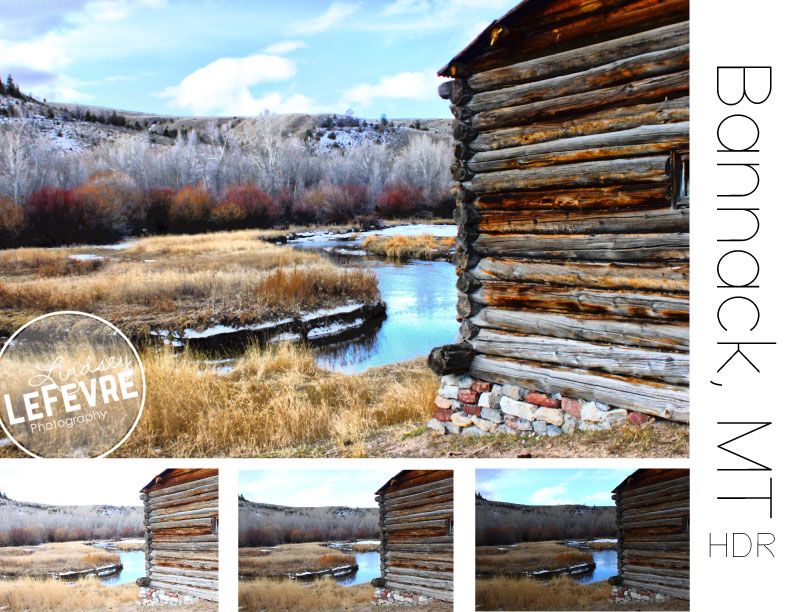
(213, 181)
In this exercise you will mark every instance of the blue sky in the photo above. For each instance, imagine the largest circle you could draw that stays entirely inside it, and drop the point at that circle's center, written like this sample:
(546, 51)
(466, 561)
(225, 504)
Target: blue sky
(550, 487)
(354, 488)
(223, 57)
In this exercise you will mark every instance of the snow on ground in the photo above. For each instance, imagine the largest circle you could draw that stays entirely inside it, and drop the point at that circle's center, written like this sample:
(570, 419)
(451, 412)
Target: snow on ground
(440, 231)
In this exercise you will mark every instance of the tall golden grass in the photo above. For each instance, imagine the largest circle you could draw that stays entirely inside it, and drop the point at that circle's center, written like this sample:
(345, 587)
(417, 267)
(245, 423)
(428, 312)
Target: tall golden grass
(325, 594)
(54, 557)
(562, 593)
(48, 595)
(177, 282)
(275, 401)
(290, 558)
(424, 246)
(527, 557)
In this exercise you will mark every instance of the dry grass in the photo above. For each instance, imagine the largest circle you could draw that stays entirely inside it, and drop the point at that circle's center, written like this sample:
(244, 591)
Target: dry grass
(276, 398)
(424, 246)
(602, 545)
(560, 593)
(325, 594)
(177, 282)
(130, 545)
(35, 595)
(57, 557)
(527, 557)
(289, 558)
(364, 547)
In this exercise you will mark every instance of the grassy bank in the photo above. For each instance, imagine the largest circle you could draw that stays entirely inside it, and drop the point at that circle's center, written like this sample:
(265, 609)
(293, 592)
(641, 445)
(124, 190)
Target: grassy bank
(53, 558)
(35, 595)
(176, 282)
(289, 559)
(527, 557)
(325, 594)
(560, 593)
(424, 246)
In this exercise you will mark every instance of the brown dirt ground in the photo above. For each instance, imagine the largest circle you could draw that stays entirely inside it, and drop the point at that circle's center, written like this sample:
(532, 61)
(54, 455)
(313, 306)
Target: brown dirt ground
(658, 439)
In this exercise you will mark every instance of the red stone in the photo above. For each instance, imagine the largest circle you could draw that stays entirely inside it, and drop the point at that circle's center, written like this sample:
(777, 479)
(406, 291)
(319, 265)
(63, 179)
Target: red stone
(481, 387)
(542, 399)
(637, 418)
(472, 409)
(442, 402)
(469, 396)
(443, 414)
(571, 406)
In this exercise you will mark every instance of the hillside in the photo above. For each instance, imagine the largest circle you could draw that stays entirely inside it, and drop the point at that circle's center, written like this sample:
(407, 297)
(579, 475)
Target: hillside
(262, 524)
(29, 523)
(508, 523)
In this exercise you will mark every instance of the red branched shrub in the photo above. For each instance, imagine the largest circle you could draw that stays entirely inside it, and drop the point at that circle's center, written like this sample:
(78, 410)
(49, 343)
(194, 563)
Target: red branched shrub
(246, 207)
(12, 220)
(156, 204)
(398, 200)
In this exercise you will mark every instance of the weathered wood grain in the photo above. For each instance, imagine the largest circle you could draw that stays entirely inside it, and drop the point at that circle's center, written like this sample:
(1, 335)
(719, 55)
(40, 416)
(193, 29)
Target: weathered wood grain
(656, 399)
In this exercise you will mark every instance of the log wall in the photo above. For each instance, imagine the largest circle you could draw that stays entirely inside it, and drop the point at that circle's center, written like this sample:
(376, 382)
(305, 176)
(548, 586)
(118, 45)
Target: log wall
(653, 515)
(573, 249)
(416, 527)
(181, 520)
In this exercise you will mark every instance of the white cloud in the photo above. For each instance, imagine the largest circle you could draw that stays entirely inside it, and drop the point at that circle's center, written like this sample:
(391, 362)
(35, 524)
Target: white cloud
(551, 496)
(287, 46)
(403, 86)
(602, 498)
(399, 7)
(335, 13)
(224, 87)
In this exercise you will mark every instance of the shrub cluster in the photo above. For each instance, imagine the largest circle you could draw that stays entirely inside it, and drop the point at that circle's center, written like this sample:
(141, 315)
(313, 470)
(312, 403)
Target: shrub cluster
(34, 534)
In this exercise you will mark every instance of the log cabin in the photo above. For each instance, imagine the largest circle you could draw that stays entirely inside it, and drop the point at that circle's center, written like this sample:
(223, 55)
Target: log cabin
(181, 515)
(417, 538)
(572, 186)
(653, 521)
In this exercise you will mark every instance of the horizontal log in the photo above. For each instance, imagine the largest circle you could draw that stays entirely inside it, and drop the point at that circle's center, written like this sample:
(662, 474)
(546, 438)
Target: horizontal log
(598, 122)
(201, 556)
(641, 277)
(620, 143)
(175, 509)
(182, 496)
(184, 487)
(652, 89)
(439, 481)
(412, 571)
(411, 518)
(560, 222)
(605, 303)
(209, 566)
(170, 524)
(184, 546)
(655, 399)
(440, 488)
(580, 327)
(166, 536)
(580, 58)
(438, 549)
(654, 587)
(209, 594)
(420, 590)
(672, 508)
(625, 248)
(674, 581)
(632, 491)
(584, 174)
(444, 507)
(678, 486)
(417, 564)
(673, 368)
(440, 560)
(184, 572)
(188, 581)
(619, 71)
(412, 504)
(420, 580)
(178, 503)
(200, 511)
(402, 525)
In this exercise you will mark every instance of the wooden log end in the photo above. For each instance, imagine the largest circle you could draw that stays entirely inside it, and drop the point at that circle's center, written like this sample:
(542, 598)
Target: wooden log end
(451, 358)
(444, 90)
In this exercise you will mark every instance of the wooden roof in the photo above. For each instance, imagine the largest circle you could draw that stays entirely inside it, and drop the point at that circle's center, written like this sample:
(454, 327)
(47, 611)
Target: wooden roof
(171, 477)
(648, 476)
(485, 38)
(412, 478)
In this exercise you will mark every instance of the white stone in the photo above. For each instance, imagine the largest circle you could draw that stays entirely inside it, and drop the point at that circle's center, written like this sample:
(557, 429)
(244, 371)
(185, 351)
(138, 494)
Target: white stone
(484, 399)
(614, 418)
(553, 416)
(590, 412)
(460, 419)
(523, 410)
(484, 424)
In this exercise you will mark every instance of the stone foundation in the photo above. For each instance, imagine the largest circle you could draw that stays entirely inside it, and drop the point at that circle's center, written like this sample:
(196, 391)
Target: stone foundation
(391, 597)
(159, 597)
(625, 595)
(475, 407)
